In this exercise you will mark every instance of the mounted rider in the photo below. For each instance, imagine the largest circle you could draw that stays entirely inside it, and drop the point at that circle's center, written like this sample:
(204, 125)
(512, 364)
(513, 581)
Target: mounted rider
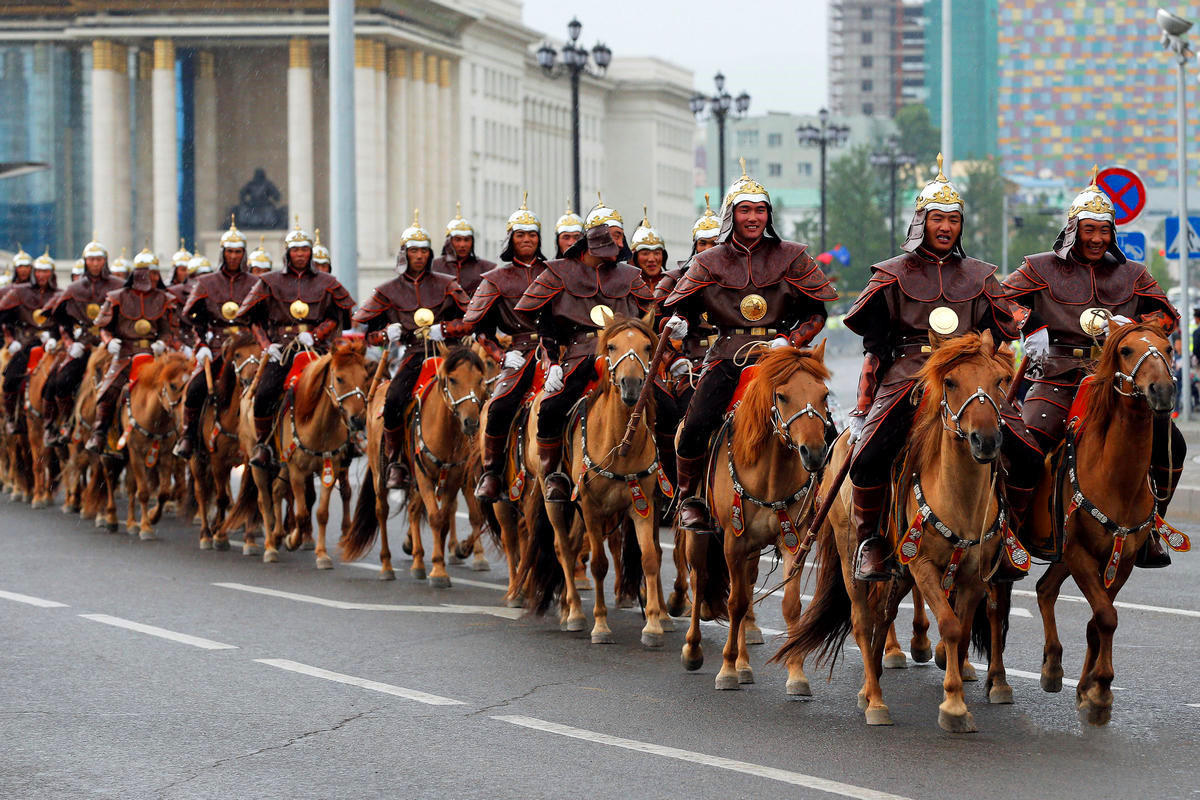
(23, 319)
(75, 312)
(406, 310)
(567, 231)
(573, 299)
(320, 257)
(134, 319)
(1071, 292)
(758, 291)
(211, 311)
(933, 288)
(649, 251)
(295, 308)
(492, 311)
(22, 267)
(458, 258)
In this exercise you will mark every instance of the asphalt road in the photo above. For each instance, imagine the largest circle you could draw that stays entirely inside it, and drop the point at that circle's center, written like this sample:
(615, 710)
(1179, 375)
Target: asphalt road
(281, 681)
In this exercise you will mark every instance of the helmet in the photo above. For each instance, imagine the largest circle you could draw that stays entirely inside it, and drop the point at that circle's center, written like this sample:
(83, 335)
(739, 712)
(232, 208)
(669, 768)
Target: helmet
(645, 237)
(745, 190)
(22, 259)
(938, 195)
(568, 223)
(259, 258)
(414, 235)
(320, 253)
(44, 261)
(603, 215)
(199, 265)
(77, 269)
(459, 227)
(94, 248)
(145, 259)
(521, 220)
(1091, 203)
(709, 224)
(182, 257)
(233, 239)
(297, 237)
(120, 265)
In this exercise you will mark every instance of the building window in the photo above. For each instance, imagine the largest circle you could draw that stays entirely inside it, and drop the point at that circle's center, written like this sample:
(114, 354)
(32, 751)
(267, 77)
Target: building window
(868, 62)
(747, 138)
(804, 168)
(867, 12)
(774, 170)
(752, 165)
(774, 140)
(868, 85)
(868, 109)
(867, 37)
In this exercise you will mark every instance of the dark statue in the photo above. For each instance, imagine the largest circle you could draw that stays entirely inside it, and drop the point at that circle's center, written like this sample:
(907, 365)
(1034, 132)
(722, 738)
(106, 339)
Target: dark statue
(256, 208)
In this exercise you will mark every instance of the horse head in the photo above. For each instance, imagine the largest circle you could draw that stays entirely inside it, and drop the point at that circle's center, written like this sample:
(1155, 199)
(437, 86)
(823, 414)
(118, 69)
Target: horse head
(244, 354)
(461, 378)
(788, 399)
(348, 381)
(964, 383)
(626, 345)
(1135, 359)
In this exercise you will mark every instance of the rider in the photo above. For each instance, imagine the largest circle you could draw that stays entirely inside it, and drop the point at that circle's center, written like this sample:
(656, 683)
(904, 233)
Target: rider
(567, 231)
(570, 301)
(932, 287)
(211, 312)
(491, 311)
(758, 291)
(296, 306)
(75, 312)
(24, 320)
(259, 259)
(405, 310)
(22, 267)
(1083, 273)
(320, 256)
(180, 272)
(458, 254)
(649, 251)
(133, 320)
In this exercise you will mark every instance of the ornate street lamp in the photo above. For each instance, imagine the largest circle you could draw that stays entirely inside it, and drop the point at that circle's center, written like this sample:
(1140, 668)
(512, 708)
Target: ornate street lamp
(718, 107)
(824, 136)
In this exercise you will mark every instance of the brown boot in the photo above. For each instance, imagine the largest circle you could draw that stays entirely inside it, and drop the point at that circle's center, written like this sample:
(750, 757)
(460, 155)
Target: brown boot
(66, 410)
(693, 511)
(262, 457)
(397, 471)
(873, 551)
(490, 485)
(558, 485)
(105, 410)
(191, 429)
(1153, 554)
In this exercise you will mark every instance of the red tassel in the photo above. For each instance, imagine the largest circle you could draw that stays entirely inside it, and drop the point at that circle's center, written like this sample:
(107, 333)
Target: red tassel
(327, 472)
(911, 543)
(518, 486)
(640, 504)
(664, 485)
(1110, 572)
(736, 516)
(1176, 539)
(788, 531)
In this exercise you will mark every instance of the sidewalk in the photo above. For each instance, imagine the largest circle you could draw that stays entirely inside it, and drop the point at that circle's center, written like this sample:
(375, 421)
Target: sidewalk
(1186, 503)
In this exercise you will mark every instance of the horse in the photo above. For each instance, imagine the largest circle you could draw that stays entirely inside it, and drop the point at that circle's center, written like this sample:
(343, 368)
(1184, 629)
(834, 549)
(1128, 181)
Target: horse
(148, 426)
(220, 450)
(763, 474)
(946, 487)
(85, 475)
(1111, 503)
(443, 426)
(42, 457)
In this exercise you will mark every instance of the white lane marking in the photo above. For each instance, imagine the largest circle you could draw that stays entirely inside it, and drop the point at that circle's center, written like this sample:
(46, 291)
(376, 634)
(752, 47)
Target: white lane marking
(30, 600)
(162, 633)
(1193, 705)
(362, 683)
(444, 608)
(1070, 598)
(719, 762)
(464, 581)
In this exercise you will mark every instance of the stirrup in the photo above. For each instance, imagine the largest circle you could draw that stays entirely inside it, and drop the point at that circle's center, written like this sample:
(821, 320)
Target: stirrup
(693, 516)
(485, 493)
(557, 488)
(879, 569)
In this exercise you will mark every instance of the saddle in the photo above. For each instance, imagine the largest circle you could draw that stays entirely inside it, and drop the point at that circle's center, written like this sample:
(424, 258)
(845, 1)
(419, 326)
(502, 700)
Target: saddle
(302, 360)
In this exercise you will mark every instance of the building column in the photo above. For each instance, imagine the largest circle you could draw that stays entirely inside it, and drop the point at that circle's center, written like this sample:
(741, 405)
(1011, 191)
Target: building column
(143, 179)
(380, 206)
(166, 166)
(205, 101)
(364, 150)
(434, 146)
(104, 146)
(418, 191)
(397, 171)
(447, 152)
(122, 197)
(301, 196)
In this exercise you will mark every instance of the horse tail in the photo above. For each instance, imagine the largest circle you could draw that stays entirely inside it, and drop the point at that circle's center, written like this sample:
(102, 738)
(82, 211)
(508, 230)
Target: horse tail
(491, 523)
(981, 627)
(541, 573)
(244, 508)
(93, 492)
(826, 622)
(714, 589)
(631, 560)
(365, 525)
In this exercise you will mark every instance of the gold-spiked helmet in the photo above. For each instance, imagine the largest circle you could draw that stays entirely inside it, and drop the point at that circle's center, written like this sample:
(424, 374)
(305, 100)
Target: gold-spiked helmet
(570, 222)
(77, 269)
(320, 254)
(1092, 204)
(234, 239)
(745, 190)
(120, 265)
(182, 257)
(199, 265)
(646, 237)
(414, 236)
(708, 226)
(459, 227)
(94, 248)
(297, 237)
(521, 220)
(937, 195)
(21, 258)
(259, 258)
(145, 260)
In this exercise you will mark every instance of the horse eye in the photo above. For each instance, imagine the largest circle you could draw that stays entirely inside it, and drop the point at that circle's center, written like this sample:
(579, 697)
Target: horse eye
(453, 382)
(612, 348)
(782, 398)
(1126, 351)
(950, 384)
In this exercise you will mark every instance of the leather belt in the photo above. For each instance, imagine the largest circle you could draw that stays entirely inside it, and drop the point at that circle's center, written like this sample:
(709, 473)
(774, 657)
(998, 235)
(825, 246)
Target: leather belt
(583, 337)
(301, 328)
(1070, 351)
(911, 346)
(726, 332)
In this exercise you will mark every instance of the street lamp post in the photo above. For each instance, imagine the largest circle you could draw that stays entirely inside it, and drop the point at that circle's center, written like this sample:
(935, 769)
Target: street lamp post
(1173, 29)
(574, 64)
(718, 107)
(892, 158)
(822, 137)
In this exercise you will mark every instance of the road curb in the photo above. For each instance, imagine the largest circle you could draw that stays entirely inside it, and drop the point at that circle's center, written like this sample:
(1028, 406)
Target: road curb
(1185, 505)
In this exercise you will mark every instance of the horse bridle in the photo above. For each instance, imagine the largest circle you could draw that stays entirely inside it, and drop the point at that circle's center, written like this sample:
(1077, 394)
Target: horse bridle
(783, 426)
(1120, 378)
(339, 398)
(453, 403)
(611, 366)
(251, 360)
(954, 417)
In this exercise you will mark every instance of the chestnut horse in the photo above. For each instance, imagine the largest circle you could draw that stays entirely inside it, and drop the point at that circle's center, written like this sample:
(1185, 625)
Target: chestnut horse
(762, 479)
(43, 458)
(1115, 504)
(948, 521)
(443, 428)
(86, 474)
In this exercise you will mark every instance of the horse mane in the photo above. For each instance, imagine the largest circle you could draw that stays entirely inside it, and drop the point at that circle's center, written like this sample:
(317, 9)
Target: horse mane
(1102, 406)
(163, 369)
(458, 356)
(752, 419)
(308, 392)
(927, 428)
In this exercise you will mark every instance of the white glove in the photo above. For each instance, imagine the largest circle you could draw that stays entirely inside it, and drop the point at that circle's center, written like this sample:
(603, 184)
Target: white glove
(680, 367)
(435, 333)
(677, 326)
(50, 344)
(114, 347)
(158, 348)
(76, 350)
(1037, 344)
(305, 338)
(780, 341)
(203, 354)
(77, 333)
(44, 336)
(1115, 320)
(855, 423)
(554, 379)
(14, 348)
(395, 331)
(187, 351)
(275, 353)
(513, 360)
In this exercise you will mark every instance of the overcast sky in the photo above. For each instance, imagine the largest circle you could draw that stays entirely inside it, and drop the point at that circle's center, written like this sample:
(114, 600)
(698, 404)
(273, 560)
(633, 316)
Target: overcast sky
(773, 49)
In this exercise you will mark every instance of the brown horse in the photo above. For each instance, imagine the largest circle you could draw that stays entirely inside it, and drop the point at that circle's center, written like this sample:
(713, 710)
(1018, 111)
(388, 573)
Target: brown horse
(762, 485)
(1115, 505)
(148, 431)
(85, 475)
(220, 451)
(43, 458)
(443, 428)
(948, 521)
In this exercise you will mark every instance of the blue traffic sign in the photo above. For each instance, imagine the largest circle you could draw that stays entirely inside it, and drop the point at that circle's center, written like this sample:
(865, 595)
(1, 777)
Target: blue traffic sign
(1193, 238)
(1132, 244)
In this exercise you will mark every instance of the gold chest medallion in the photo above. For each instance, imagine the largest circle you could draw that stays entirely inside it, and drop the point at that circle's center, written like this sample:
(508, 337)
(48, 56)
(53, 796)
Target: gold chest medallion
(753, 307)
(943, 320)
(298, 309)
(601, 315)
(229, 309)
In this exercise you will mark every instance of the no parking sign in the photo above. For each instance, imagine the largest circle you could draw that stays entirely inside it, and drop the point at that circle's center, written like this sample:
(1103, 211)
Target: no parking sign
(1126, 190)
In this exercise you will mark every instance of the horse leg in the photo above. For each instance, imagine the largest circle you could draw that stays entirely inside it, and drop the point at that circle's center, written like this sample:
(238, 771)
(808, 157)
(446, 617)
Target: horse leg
(202, 480)
(322, 555)
(266, 509)
(1093, 696)
(919, 646)
(415, 544)
(677, 601)
(161, 489)
(953, 715)
(594, 531)
(730, 675)
(567, 545)
(1047, 595)
(344, 491)
(441, 518)
(218, 481)
(510, 540)
(999, 600)
(797, 681)
(479, 562)
(693, 652)
(646, 529)
(301, 511)
(452, 543)
(893, 656)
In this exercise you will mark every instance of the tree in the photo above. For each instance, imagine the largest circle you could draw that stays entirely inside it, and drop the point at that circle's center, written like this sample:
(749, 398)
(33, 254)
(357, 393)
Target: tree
(856, 216)
(1033, 230)
(983, 227)
(918, 137)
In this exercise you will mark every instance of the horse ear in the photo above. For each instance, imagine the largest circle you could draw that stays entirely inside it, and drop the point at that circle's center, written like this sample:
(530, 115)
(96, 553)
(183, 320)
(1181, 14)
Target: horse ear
(818, 352)
(442, 349)
(988, 342)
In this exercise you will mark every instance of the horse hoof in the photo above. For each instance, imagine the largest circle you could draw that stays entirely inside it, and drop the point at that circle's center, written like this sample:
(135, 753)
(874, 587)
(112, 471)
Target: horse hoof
(1093, 714)
(879, 716)
(575, 624)
(418, 573)
(921, 655)
(452, 557)
(38, 504)
(939, 657)
(754, 636)
(111, 526)
(70, 509)
(249, 549)
(604, 637)
(956, 723)
(220, 544)
(83, 514)
(675, 604)
(270, 556)
(652, 640)
(968, 672)
(745, 675)
(387, 575)
(667, 624)
(324, 562)
(1051, 683)
(308, 544)
(481, 565)
(148, 536)
(691, 664)
(799, 688)
(514, 602)
(727, 681)
(206, 544)
(895, 661)
(1000, 695)
(132, 530)
(440, 581)
(624, 602)
(585, 585)
(862, 702)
